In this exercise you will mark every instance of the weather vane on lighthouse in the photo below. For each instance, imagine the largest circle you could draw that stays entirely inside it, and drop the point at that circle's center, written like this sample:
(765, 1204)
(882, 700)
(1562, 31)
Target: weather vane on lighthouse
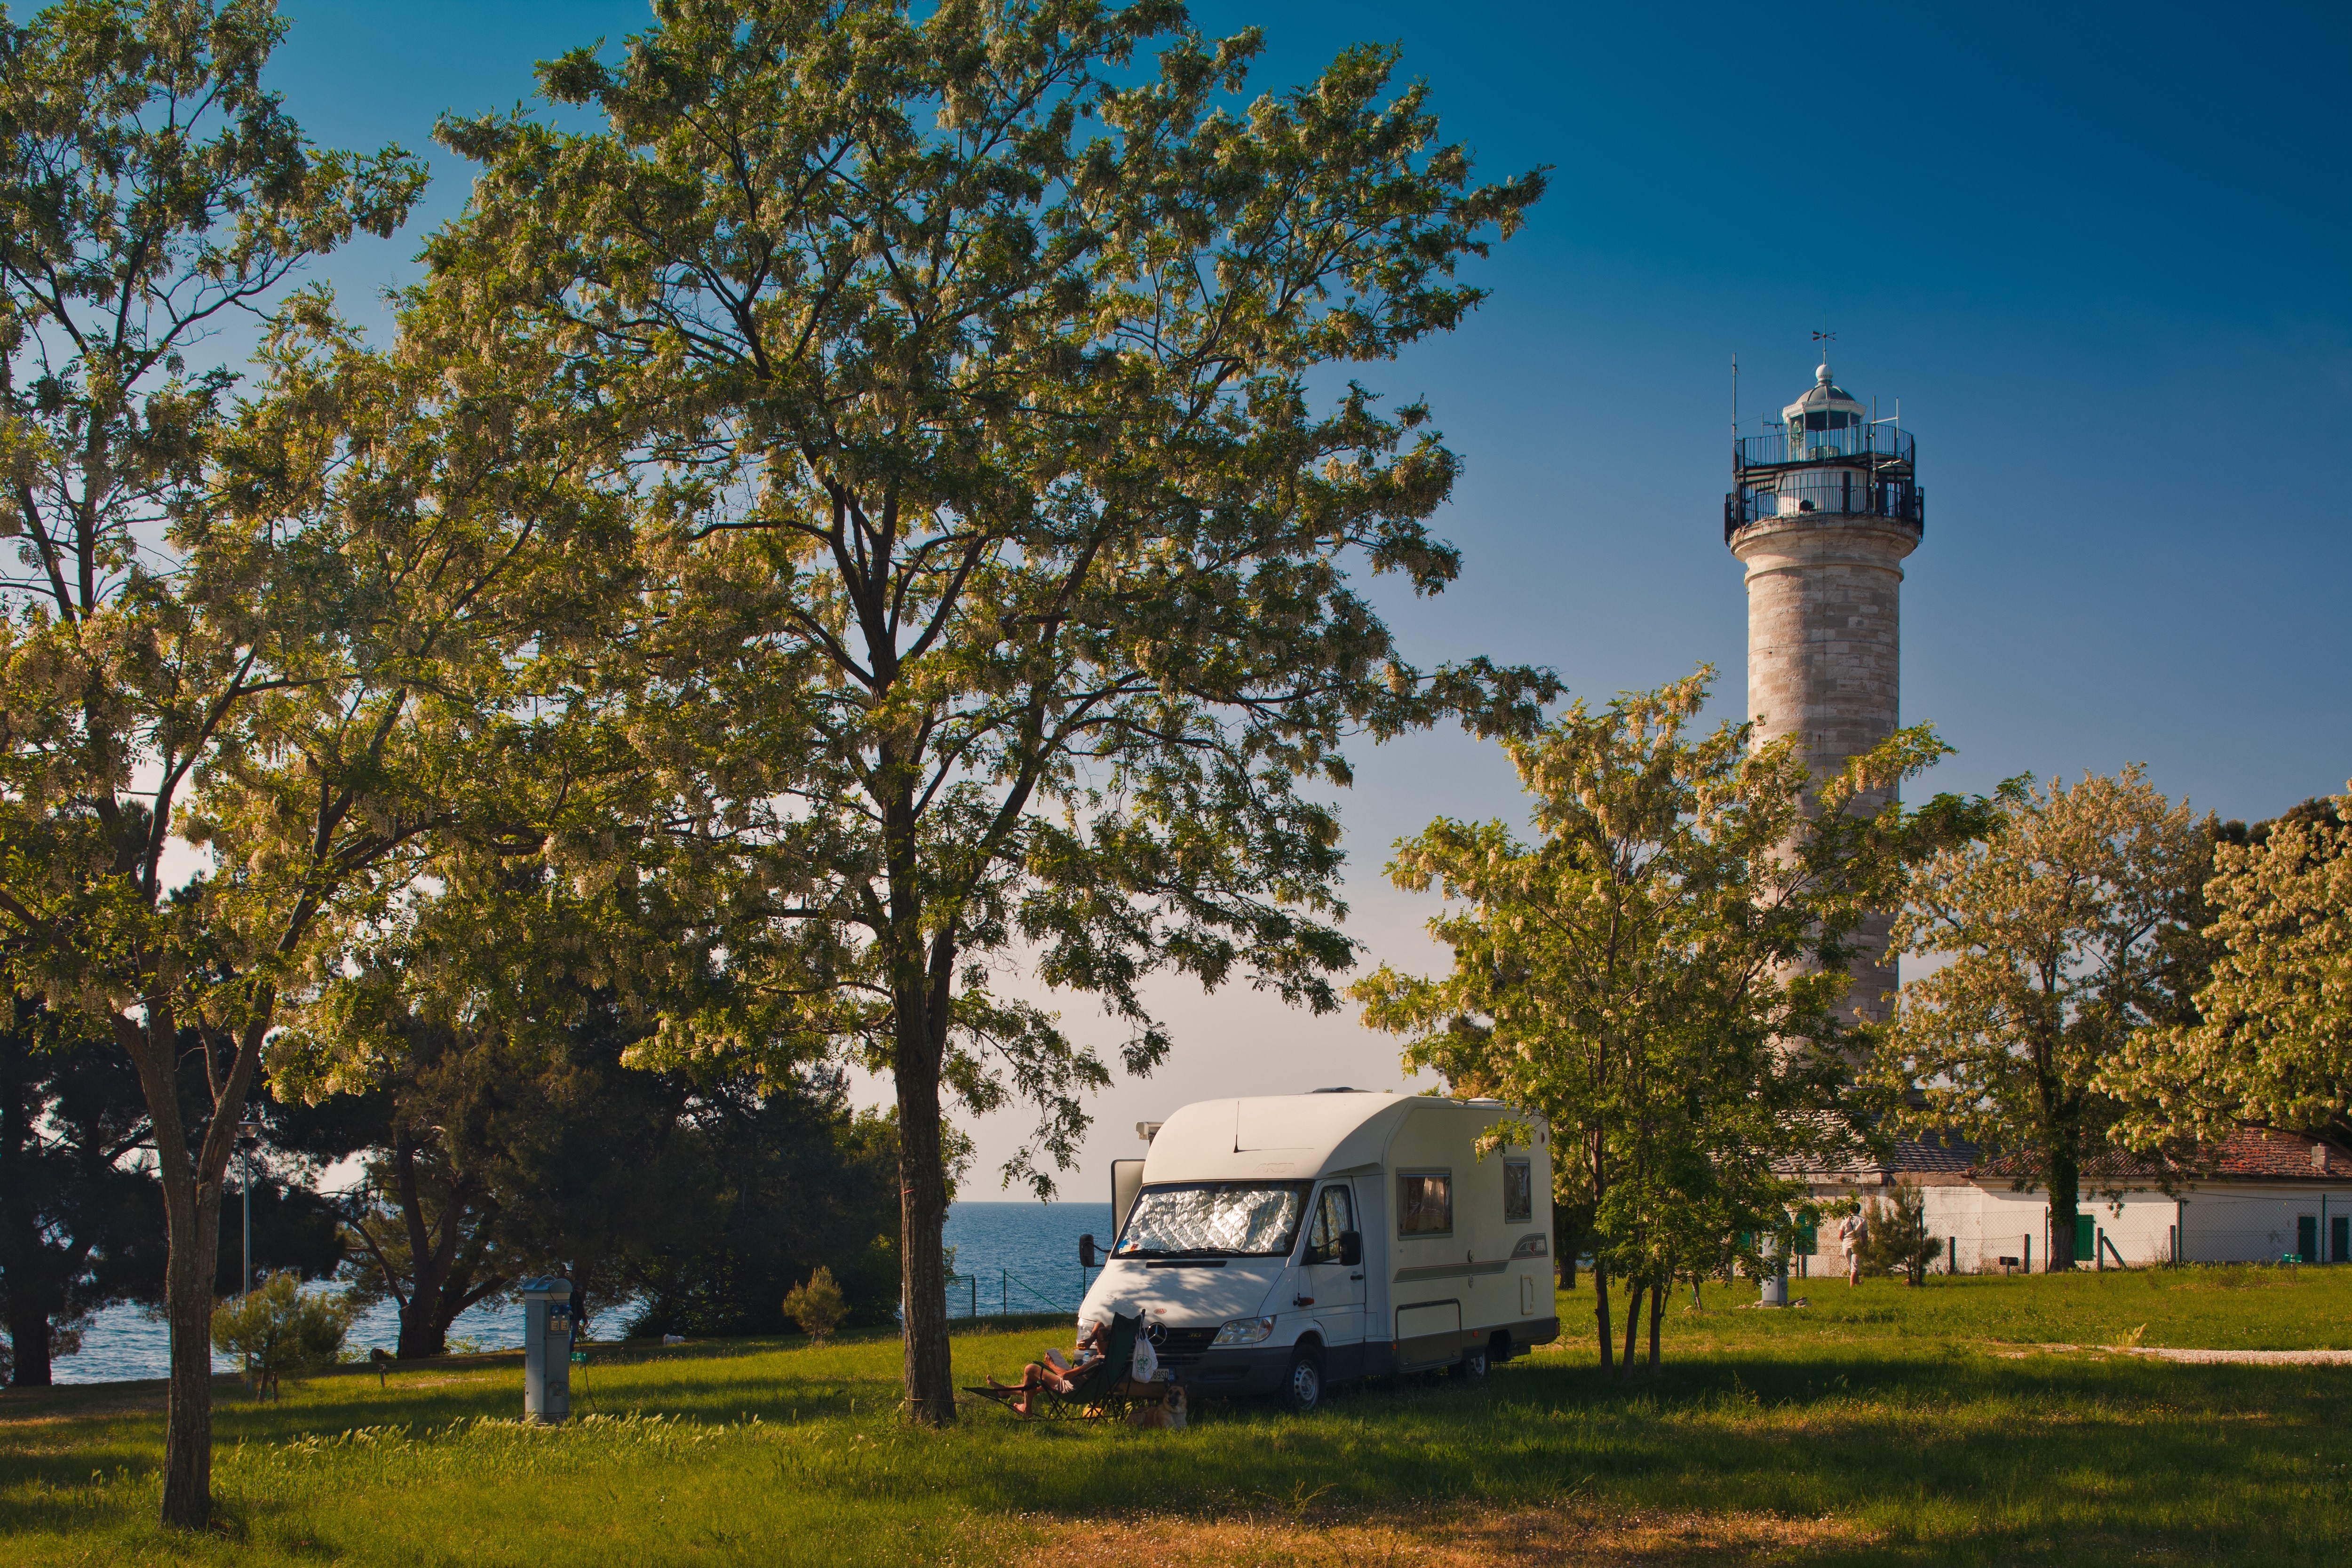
(1823, 508)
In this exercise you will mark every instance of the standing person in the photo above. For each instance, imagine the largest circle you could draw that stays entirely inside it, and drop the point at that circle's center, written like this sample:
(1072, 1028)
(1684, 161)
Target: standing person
(1850, 1243)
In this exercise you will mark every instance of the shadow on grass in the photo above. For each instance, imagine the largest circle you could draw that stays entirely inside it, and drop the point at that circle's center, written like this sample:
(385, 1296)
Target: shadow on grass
(1956, 1450)
(1932, 1454)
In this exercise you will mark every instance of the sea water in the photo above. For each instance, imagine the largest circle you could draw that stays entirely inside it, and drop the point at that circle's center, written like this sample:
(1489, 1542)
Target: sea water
(1008, 1257)
(126, 1342)
(1021, 1257)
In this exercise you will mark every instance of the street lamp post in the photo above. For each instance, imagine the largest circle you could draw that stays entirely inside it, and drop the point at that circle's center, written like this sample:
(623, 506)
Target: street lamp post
(246, 1136)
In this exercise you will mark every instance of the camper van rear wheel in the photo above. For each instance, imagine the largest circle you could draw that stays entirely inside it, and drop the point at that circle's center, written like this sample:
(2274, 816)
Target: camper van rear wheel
(1472, 1366)
(1302, 1385)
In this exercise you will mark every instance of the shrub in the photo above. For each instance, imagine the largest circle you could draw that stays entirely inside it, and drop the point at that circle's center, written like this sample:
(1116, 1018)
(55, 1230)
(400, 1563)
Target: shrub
(280, 1331)
(1895, 1236)
(818, 1306)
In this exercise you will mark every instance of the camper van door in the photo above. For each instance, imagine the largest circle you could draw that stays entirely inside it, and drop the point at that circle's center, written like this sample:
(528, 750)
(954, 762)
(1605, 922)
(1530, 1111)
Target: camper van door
(1329, 1286)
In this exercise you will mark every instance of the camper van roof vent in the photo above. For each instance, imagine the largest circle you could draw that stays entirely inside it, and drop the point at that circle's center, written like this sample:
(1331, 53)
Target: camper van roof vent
(1343, 1089)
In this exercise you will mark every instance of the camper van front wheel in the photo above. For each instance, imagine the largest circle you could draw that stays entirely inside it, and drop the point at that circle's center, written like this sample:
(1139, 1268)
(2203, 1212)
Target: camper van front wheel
(1302, 1385)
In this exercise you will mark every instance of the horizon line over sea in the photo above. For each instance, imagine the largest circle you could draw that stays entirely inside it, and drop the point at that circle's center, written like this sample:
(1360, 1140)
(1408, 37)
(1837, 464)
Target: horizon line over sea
(1011, 1255)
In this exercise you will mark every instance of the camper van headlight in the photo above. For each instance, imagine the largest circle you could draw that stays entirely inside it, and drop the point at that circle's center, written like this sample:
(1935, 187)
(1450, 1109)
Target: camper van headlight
(1243, 1331)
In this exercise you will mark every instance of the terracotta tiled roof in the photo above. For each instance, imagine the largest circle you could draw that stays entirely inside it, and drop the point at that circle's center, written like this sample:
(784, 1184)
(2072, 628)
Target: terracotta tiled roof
(2281, 1156)
(2250, 1154)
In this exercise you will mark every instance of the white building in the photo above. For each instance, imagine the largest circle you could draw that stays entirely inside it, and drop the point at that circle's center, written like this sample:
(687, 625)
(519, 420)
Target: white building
(2260, 1197)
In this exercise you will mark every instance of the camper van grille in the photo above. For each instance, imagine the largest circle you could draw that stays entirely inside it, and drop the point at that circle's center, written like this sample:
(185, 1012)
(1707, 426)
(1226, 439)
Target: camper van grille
(1182, 1347)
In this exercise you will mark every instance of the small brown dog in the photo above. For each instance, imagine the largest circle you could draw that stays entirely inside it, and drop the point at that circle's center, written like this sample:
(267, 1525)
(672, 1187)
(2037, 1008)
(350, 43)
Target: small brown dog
(1166, 1417)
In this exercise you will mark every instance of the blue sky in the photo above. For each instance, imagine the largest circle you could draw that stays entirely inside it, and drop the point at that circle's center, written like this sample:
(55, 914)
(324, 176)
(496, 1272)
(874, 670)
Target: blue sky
(2104, 256)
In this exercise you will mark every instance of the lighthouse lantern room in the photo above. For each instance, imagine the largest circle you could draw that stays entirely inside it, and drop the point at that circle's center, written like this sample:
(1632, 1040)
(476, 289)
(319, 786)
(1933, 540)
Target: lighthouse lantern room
(1827, 454)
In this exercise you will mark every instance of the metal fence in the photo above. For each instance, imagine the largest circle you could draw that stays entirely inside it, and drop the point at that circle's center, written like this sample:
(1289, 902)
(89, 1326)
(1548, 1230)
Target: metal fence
(1836, 491)
(1775, 447)
(979, 1296)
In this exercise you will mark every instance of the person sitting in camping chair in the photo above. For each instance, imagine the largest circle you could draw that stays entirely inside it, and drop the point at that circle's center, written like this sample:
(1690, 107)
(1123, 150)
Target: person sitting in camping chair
(1054, 1370)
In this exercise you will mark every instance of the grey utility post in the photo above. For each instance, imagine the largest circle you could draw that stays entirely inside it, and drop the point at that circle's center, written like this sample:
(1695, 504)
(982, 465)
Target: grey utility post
(547, 1351)
(1773, 1288)
(247, 1135)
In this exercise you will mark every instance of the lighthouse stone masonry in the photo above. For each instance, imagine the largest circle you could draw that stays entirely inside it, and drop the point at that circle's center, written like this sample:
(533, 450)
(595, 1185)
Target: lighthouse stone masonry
(1822, 512)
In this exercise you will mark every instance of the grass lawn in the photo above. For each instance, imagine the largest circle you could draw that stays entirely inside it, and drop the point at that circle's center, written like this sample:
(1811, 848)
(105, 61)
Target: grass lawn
(1877, 1424)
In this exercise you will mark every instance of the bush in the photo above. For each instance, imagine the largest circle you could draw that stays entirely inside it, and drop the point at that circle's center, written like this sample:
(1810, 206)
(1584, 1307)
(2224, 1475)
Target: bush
(818, 1306)
(280, 1331)
(1895, 1238)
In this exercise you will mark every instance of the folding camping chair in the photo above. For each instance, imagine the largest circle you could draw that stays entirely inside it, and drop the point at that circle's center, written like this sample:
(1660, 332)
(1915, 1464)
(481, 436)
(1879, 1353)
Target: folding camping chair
(1100, 1390)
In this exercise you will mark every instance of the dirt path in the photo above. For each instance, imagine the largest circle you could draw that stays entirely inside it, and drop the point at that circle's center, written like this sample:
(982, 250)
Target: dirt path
(2247, 1358)
(1554, 1537)
(2209, 1358)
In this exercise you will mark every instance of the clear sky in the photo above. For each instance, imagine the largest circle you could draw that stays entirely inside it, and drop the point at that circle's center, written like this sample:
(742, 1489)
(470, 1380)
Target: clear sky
(2102, 254)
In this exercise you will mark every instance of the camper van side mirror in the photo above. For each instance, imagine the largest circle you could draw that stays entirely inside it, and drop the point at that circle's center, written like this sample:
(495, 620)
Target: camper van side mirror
(1086, 1251)
(1351, 1248)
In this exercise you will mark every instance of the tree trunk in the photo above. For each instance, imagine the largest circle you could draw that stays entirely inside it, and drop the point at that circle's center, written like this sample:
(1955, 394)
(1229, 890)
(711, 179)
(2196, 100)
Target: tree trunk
(922, 1220)
(192, 1182)
(1563, 1237)
(195, 1220)
(1634, 1290)
(420, 1330)
(25, 1264)
(1600, 1308)
(29, 1340)
(2065, 1201)
(1657, 1311)
(20, 1227)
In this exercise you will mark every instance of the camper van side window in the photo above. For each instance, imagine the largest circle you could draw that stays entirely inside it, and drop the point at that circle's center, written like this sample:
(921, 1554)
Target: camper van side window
(1425, 1203)
(1518, 1193)
(1332, 1215)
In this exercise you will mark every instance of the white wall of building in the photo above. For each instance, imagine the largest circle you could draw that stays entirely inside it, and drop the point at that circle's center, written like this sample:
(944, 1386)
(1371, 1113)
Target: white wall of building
(2250, 1223)
(2225, 1223)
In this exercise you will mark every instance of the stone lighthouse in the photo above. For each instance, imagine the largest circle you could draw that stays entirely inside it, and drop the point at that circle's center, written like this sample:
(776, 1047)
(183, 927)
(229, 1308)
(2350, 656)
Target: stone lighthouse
(1824, 509)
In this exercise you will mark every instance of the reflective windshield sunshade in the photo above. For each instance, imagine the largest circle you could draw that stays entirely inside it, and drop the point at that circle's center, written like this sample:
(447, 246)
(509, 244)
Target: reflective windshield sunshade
(1255, 1219)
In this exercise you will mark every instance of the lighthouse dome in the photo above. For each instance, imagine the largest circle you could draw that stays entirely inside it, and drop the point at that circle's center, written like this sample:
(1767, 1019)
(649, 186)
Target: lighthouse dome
(1827, 421)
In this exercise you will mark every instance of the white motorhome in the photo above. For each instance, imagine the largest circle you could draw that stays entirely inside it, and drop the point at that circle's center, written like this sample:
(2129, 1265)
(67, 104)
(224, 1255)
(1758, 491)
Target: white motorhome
(1281, 1244)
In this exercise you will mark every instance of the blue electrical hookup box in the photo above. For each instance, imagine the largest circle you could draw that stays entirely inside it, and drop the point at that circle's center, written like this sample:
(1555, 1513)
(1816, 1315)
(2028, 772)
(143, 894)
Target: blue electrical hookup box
(547, 1351)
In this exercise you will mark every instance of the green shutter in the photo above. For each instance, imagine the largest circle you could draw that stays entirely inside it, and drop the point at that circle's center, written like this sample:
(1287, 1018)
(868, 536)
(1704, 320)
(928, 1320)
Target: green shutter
(2087, 1238)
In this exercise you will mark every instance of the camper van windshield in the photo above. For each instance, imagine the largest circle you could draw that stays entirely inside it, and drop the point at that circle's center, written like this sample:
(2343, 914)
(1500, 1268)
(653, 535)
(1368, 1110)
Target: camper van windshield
(1214, 1219)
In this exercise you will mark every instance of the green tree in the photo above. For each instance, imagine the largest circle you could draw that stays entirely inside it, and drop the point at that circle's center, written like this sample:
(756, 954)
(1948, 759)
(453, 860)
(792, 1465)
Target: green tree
(153, 192)
(77, 1221)
(2062, 929)
(996, 532)
(1656, 976)
(280, 1331)
(470, 1048)
(2273, 1039)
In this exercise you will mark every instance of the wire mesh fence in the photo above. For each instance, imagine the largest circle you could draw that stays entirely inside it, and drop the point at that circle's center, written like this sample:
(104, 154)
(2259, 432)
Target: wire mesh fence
(1003, 1293)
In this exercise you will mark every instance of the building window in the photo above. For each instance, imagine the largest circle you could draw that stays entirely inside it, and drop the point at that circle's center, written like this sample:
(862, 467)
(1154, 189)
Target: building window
(1518, 1193)
(1425, 1203)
